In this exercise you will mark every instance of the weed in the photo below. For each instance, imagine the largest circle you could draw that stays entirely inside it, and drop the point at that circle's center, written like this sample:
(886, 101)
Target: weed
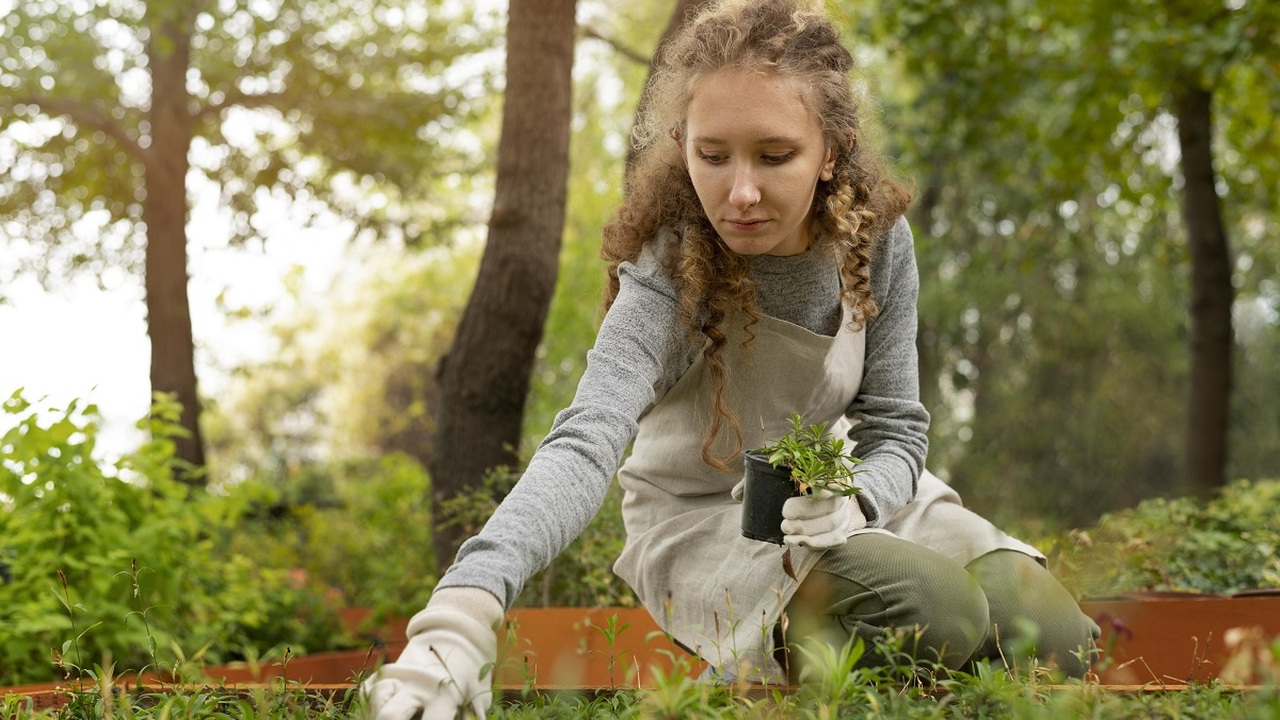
(610, 631)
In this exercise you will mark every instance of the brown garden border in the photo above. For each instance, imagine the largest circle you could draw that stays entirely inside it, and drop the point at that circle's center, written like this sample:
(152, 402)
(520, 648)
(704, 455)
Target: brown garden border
(1150, 641)
(1172, 637)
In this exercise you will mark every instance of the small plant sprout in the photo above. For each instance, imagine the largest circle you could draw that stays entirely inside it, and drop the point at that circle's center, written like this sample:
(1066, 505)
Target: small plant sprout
(816, 461)
(610, 631)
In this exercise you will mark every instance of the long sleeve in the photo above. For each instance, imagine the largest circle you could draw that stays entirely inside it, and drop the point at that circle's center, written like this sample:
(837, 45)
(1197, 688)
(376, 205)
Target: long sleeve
(639, 353)
(890, 423)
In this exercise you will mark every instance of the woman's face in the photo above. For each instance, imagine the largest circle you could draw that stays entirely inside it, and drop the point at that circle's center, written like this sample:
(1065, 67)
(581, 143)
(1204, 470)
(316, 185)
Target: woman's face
(755, 155)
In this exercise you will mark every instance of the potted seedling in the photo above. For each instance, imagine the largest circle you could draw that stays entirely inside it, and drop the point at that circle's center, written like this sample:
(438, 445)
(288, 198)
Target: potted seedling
(804, 461)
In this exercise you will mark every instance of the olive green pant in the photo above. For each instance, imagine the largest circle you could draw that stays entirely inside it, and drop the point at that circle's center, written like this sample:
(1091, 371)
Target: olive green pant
(1004, 606)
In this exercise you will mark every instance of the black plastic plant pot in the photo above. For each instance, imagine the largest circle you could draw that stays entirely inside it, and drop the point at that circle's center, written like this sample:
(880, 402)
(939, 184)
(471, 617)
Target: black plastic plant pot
(765, 488)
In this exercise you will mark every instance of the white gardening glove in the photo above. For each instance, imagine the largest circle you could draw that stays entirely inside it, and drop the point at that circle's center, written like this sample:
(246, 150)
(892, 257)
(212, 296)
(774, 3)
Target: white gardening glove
(820, 520)
(447, 666)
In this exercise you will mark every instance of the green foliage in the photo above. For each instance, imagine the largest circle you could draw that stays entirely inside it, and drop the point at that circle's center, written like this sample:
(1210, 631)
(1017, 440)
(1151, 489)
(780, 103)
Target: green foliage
(121, 558)
(356, 530)
(815, 459)
(1018, 702)
(335, 104)
(1051, 242)
(1229, 544)
(346, 389)
(470, 511)
(582, 575)
(1255, 413)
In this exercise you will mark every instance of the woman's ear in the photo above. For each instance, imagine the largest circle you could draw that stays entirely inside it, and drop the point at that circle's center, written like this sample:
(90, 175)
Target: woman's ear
(829, 165)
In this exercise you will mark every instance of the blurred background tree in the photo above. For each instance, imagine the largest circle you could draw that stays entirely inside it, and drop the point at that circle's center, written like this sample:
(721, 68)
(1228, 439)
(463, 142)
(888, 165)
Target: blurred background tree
(1061, 279)
(484, 377)
(109, 109)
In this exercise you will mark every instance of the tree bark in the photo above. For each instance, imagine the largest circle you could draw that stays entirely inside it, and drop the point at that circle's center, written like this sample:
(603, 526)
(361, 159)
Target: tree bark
(164, 211)
(1211, 295)
(484, 380)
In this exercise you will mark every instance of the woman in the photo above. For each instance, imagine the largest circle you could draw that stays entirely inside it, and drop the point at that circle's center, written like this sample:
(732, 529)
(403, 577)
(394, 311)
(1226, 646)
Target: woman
(759, 266)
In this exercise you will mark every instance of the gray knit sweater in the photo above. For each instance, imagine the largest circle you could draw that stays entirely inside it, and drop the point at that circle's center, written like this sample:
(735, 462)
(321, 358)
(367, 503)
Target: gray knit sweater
(641, 351)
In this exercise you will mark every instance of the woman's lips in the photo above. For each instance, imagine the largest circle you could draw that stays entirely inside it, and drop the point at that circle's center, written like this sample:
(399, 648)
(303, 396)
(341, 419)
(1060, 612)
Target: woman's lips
(747, 225)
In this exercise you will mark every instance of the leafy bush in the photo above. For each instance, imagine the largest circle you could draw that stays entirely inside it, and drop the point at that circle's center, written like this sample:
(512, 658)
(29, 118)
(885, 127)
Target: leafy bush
(122, 558)
(1223, 546)
(357, 529)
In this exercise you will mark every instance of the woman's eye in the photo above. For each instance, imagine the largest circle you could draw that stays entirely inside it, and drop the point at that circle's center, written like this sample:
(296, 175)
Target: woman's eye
(711, 158)
(778, 158)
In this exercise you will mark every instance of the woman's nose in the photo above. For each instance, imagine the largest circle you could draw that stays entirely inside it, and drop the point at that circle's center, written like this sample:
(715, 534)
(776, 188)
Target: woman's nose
(745, 192)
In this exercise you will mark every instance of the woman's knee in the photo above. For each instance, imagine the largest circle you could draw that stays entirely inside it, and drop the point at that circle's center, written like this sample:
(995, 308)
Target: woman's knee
(880, 586)
(946, 616)
(1034, 618)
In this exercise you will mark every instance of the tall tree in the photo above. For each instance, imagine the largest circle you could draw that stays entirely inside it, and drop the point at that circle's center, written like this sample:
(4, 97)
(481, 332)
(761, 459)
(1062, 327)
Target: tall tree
(1018, 374)
(1176, 54)
(600, 148)
(1212, 292)
(484, 379)
(1045, 132)
(109, 108)
(164, 213)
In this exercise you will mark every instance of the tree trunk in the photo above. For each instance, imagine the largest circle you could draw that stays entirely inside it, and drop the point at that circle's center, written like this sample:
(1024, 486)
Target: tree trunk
(484, 379)
(164, 211)
(1211, 295)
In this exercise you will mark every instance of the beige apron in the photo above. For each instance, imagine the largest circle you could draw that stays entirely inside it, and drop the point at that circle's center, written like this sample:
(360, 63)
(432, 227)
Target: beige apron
(716, 592)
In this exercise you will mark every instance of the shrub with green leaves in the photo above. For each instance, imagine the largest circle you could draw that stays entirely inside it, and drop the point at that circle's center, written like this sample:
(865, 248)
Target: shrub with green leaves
(122, 558)
(358, 529)
(1226, 545)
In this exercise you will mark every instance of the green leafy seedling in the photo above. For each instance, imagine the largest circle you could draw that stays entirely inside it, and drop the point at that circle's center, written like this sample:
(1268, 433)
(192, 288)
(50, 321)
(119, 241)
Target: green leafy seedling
(817, 461)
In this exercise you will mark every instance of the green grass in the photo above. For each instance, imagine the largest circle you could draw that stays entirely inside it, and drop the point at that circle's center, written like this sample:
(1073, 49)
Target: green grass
(276, 702)
(995, 696)
(832, 687)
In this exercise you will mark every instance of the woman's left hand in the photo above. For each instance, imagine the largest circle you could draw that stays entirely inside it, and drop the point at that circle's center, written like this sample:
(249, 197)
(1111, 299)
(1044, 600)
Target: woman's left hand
(821, 520)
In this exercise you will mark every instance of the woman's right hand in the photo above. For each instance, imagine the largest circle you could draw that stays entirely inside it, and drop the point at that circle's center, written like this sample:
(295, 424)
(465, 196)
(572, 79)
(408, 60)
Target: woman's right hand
(447, 665)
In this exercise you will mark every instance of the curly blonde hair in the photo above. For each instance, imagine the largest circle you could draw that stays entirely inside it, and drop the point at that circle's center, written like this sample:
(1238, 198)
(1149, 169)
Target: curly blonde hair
(796, 40)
